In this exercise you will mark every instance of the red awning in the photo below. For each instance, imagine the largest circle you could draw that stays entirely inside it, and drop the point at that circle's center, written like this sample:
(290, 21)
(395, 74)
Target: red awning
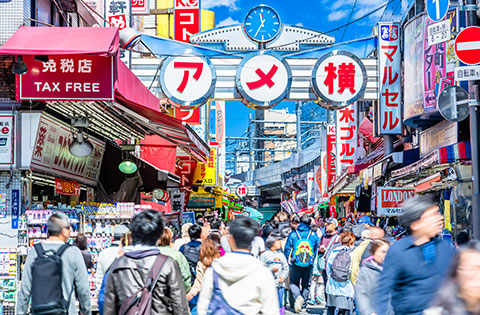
(27, 40)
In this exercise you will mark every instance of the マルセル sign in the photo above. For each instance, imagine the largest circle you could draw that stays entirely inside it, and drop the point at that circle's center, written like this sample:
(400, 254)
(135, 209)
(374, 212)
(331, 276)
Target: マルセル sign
(391, 199)
(67, 78)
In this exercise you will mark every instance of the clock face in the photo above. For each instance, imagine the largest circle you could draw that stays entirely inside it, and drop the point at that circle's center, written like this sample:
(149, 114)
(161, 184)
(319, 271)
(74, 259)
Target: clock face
(262, 24)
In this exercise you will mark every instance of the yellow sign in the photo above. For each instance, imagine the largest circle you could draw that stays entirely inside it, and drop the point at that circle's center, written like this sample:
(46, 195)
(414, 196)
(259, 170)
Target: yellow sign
(206, 174)
(448, 224)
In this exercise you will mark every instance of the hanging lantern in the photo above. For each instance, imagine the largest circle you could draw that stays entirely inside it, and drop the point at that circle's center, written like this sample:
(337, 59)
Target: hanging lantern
(161, 195)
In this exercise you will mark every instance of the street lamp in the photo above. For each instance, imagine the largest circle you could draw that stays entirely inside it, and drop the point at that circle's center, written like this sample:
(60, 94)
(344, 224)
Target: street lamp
(19, 67)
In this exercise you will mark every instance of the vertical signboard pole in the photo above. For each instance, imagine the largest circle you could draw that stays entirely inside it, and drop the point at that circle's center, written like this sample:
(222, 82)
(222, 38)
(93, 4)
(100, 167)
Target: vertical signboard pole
(474, 132)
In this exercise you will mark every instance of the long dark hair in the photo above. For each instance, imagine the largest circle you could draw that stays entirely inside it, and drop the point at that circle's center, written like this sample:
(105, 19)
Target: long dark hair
(447, 296)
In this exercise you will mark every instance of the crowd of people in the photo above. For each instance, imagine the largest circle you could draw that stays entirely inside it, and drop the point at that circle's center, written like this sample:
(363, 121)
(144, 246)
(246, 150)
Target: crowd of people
(244, 268)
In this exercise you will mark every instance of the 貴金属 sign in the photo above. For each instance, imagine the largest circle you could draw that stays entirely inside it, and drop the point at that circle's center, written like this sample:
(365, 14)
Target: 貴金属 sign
(391, 199)
(74, 77)
(390, 90)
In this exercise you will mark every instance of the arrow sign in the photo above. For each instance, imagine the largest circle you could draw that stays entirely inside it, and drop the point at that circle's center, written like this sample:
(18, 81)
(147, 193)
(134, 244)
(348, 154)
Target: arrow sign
(467, 45)
(436, 9)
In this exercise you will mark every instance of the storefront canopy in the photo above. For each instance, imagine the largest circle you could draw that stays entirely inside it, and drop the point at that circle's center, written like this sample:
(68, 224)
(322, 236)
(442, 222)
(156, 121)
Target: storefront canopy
(27, 40)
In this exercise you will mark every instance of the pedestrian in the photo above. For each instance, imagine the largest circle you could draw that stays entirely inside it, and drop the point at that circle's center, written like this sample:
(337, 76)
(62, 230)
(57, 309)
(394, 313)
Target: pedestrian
(54, 273)
(218, 226)
(209, 251)
(300, 250)
(237, 283)
(81, 242)
(462, 238)
(132, 272)
(460, 293)
(109, 254)
(274, 259)
(339, 288)
(366, 288)
(416, 265)
(362, 251)
(327, 242)
(185, 237)
(191, 250)
(165, 247)
(257, 246)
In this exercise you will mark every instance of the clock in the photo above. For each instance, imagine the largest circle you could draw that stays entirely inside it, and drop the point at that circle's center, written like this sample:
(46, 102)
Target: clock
(262, 24)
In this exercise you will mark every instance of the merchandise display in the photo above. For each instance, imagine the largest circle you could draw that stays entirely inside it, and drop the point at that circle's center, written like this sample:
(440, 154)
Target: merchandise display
(8, 280)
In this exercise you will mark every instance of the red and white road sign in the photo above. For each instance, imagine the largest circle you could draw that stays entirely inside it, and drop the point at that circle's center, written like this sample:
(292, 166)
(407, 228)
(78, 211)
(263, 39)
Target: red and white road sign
(467, 45)
(242, 191)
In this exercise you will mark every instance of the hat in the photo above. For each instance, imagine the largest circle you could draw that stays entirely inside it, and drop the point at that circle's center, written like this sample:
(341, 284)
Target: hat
(332, 220)
(365, 220)
(272, 238)
(120, 230)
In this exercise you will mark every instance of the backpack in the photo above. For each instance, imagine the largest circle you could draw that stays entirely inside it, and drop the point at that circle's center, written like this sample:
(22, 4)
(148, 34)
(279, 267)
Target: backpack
(192, 254)
(47, 292)
(218, 305)
(341, 267)
(140, 303)
(303, 255)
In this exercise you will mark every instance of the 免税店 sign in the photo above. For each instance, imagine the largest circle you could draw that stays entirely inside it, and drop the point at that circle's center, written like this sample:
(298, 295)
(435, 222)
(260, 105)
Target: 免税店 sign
(391, 199)
(74, 77)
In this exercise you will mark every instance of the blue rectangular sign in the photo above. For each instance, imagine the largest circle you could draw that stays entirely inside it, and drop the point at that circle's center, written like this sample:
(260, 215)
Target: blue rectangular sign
(15, 207)
(188, 217)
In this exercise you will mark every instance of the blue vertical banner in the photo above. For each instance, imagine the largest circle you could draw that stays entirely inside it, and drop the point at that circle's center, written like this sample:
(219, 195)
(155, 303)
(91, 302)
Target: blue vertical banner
(15, 207)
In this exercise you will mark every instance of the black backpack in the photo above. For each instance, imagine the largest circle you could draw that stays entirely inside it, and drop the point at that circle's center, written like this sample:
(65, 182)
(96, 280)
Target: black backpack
(47, 293)
(341, 267)
(192, 254)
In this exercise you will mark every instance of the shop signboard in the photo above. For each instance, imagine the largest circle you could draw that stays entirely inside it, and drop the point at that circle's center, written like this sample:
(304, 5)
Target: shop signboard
(188, 217)
(242, 191)
(339, 78)
(390, 89)
(3, 206)
(413, 79)
(438, 136)
(391, 199)
(438, 32)
(185, 169)
(323, 180)
(51, 153)
(67, 78)
(331, 156)
(140, 7)
(15, 207)
(427, 161)
(117, 13)
(189, 116)
(205, 173)
(201, 202)
(67, 187)
(186, 19)
(7, 143)
(347, 134)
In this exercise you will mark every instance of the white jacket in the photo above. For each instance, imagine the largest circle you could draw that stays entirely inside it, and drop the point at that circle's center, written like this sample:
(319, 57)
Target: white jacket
(246, 285)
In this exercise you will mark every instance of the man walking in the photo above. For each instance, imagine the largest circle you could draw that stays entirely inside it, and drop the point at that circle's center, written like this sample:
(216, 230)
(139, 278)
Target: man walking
(129, 273)
(73, 274)
(237, 282)
(300, 250)
(416, 265)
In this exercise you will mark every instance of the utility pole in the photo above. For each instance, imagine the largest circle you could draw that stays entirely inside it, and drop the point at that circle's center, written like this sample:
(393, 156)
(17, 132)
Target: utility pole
(250, 146)
(298, 113)
(471, 15)
(259, 132)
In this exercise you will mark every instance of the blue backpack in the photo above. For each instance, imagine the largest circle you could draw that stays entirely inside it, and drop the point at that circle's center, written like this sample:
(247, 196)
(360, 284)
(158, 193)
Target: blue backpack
(218, 305)
(101, 293)
(303, 255)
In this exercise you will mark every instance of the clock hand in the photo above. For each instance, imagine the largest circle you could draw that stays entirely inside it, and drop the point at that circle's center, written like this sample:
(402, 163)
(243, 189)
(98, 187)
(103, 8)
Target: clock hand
(261, 25)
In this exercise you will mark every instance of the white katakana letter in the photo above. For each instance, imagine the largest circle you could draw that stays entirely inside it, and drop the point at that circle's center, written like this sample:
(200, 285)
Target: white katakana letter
(84, 66)
(49, 66)
(66, 65)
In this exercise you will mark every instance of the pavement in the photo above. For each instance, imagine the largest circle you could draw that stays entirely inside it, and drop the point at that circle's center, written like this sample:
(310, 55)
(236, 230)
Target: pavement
(309, 310)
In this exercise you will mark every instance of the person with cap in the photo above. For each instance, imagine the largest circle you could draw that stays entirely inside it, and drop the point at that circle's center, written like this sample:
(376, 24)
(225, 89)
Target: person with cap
(274, 259)
(109, 254)
(362, 251)
(416, 265)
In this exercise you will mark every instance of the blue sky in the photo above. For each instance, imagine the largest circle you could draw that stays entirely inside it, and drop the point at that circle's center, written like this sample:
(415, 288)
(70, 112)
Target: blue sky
(320, 15)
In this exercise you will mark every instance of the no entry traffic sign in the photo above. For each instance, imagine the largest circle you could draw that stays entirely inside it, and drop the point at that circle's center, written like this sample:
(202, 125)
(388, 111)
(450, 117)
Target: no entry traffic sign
(467, 45)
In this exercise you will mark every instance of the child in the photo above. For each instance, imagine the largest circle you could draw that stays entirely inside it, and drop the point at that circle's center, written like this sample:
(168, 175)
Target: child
(274, 259)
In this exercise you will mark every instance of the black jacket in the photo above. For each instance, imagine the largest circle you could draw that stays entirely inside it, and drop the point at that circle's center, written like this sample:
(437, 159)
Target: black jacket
(127, 275)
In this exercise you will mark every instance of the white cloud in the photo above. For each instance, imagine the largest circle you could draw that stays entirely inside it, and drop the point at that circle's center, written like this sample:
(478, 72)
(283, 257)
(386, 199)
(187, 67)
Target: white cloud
(230, 4)
(227, 21)
(300, 24)
(337, 15)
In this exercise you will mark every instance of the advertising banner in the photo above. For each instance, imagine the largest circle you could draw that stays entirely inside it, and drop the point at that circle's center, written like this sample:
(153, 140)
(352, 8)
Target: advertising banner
(413, 68)
(67, 187)
(391, 199)
(331, 156)
(7, 147)
(347, 135)
(390, 91)
(72, 77)
(51, 153)
(323, 180)
(117, 13)
(206, 174)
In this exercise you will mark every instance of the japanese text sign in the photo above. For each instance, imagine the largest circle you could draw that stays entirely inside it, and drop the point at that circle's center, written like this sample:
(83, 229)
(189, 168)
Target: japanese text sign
(67, 187)
(140, 7)
(73, 77)
(264, 79)
(339, 78)
(117, 13)
(347, 135)
(185, 170)
(190, 116)
(51, 153)
(390, 89)
(187, 19)
(331, 156)
(188, 80)
(242, 191)
(7, 148)
(438, 33)
(391, 199)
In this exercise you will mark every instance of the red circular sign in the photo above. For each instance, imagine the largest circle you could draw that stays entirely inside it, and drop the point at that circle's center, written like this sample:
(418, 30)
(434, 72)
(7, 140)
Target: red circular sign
(242, 191)
(467, 45)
